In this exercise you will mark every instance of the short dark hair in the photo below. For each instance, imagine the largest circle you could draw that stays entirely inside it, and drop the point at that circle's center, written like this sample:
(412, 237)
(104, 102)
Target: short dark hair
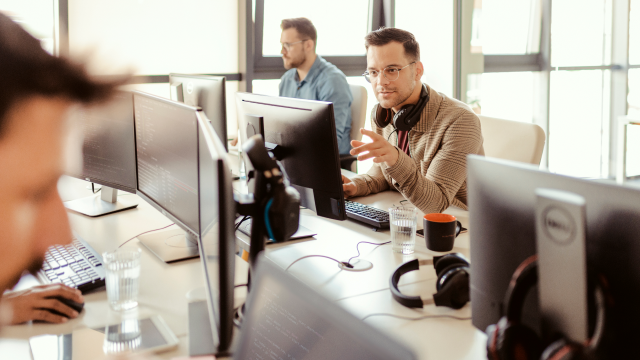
(26, 70)
(385, 35)
(303, 26)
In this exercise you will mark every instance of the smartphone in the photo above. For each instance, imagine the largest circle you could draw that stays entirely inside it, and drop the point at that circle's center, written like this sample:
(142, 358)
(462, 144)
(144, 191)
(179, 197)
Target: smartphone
(130, 336)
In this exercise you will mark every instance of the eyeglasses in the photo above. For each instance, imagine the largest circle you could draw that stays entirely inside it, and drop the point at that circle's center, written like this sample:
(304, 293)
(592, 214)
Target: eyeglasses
(287, 46)
(390, 73)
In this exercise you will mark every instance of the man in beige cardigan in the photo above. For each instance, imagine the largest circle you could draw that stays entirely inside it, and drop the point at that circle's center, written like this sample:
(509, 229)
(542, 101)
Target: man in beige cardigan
(420, 137)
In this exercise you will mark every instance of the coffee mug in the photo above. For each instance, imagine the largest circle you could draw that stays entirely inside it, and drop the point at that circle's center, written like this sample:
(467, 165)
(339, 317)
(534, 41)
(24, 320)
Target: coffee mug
(440, 231)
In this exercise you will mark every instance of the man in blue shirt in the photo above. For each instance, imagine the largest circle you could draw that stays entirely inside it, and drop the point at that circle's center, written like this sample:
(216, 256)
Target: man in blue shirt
(313, 78)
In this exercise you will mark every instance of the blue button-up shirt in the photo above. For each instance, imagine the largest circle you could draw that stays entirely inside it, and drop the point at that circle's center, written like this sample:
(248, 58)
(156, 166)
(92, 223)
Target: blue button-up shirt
(324, 82)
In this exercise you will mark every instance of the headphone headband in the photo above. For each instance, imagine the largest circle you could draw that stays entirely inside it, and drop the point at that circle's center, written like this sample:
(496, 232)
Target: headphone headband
(524, 278)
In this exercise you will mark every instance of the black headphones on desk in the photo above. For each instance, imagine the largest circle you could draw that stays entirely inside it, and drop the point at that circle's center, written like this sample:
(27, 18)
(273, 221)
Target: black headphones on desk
(406, 118)
(508, 339)
(452, 285)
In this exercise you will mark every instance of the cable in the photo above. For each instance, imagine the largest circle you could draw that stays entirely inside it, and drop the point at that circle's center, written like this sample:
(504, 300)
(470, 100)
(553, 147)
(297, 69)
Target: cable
(366, 242)
(121, 245)
(267, 224)
(418, 318)
(241, 221)
(339, 262)
(93, 190)
(240, 285)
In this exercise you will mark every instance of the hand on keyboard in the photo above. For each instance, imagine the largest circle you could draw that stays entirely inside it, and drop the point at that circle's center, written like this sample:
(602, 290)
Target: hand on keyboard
(36, 303)
(348, 187)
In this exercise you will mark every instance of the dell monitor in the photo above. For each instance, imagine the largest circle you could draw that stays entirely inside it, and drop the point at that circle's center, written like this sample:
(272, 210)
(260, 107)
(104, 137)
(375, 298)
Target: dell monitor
(302, 134)
(183, 173)
(207, 92)
(108, 155)
(502, 205)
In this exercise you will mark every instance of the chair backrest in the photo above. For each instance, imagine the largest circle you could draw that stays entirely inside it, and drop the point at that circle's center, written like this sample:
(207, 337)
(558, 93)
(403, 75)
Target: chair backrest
(358, 110)
(512, 140)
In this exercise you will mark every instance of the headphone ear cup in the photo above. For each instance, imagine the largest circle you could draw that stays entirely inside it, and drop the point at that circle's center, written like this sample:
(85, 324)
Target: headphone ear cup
(565, 350)
(284, 212)
(518, 342)
(445, 261)
(381, 116)
(453, 287)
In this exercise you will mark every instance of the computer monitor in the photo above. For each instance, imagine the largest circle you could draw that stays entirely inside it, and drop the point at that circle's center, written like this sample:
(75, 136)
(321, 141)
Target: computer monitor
(207, 92)
(289, 319)
(304, 132)
(108, 155)
(183, 173)
(502, 222)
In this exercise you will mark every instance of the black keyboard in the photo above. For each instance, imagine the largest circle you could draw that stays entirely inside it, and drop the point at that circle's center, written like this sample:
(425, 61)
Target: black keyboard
(367, 214)
(76, 265)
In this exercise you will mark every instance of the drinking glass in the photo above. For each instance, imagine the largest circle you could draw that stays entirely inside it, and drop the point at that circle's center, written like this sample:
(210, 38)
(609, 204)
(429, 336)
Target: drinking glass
(403, 229)
(122, 275)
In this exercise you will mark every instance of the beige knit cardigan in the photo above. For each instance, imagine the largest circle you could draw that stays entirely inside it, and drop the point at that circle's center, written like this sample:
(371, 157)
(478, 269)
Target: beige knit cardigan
(434, 177)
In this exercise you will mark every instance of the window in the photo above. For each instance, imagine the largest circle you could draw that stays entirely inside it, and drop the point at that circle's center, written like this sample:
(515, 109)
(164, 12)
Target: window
(508, 96)
(579, 123)
(37, 16)
(340, 32)
(581, 32)
(634, 32)
(431, 22)
(510, 27)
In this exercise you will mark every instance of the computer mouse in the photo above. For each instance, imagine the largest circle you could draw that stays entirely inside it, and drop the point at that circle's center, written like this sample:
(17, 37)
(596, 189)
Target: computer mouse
(70, 303)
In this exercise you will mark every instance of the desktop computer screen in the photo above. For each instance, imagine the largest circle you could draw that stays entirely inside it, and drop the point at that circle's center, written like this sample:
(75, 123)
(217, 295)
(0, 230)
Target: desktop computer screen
(305, 134)
(183, 172)
(207, 92)
(502, 221)
(108, 154)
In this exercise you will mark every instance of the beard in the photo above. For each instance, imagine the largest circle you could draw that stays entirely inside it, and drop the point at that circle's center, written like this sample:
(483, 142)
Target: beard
(402, 95)
(294, 62)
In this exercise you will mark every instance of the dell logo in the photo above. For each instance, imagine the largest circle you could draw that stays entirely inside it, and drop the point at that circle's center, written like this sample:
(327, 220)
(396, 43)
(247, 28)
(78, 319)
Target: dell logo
(189, 87)
(558, 225)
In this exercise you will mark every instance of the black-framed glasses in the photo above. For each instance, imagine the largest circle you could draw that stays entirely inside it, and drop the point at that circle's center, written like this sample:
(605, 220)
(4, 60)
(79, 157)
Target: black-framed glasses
(390, 73)
(287, 46)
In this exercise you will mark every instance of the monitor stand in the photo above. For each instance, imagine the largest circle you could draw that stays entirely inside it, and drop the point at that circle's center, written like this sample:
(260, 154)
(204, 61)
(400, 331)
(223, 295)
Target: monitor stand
(200, 335)
(104, 204)
(171, 245)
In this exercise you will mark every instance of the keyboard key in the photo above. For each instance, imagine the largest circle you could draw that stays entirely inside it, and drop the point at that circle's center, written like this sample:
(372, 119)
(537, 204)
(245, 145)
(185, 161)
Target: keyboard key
(54, 265)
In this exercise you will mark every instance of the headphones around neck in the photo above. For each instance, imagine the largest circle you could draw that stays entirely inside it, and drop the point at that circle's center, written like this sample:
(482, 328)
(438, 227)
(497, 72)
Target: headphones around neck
(509, 339)
(452, 285)
(407, 117)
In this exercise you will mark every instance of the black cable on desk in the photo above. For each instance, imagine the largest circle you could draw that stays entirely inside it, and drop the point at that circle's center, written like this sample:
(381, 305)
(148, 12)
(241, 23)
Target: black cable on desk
(418, 318)
(246, 217)
(121, 245)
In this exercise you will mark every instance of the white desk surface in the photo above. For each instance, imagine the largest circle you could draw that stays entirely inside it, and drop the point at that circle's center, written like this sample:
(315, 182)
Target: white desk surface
(164, 286)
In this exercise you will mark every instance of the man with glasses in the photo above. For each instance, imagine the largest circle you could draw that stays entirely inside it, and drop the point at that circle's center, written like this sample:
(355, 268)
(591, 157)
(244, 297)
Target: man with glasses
(420, 137)
(313, 78)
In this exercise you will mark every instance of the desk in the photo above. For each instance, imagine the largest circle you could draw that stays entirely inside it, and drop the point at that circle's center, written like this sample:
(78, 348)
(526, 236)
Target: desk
(164, 286)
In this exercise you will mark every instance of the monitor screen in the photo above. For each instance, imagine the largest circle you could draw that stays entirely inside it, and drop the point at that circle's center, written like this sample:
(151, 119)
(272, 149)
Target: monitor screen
(167, 154)
(207, 92)
(286, 319)
(217, 240)
(305, 132)
(108, 150)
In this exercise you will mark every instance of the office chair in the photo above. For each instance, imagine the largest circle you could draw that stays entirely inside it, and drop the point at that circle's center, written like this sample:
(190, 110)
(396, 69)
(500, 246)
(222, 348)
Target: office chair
(358, 117)
(512, 140)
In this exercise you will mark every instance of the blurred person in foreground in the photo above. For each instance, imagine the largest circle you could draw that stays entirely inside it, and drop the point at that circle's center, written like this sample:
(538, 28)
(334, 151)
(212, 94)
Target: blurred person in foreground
(37, 91)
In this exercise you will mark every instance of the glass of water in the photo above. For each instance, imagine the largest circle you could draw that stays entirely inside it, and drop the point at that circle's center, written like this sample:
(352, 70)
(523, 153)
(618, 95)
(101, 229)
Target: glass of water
(403, 228)
(123, 272)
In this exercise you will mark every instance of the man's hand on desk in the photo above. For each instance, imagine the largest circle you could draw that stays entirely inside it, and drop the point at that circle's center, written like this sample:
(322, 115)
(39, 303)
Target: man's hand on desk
(31, 304)
(348, 186)
(379, 149)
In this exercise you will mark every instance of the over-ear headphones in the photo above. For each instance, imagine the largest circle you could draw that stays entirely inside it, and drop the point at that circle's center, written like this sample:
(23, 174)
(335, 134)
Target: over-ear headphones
(282, 206)
(509, 339)
(406, 118)
(452, 285)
